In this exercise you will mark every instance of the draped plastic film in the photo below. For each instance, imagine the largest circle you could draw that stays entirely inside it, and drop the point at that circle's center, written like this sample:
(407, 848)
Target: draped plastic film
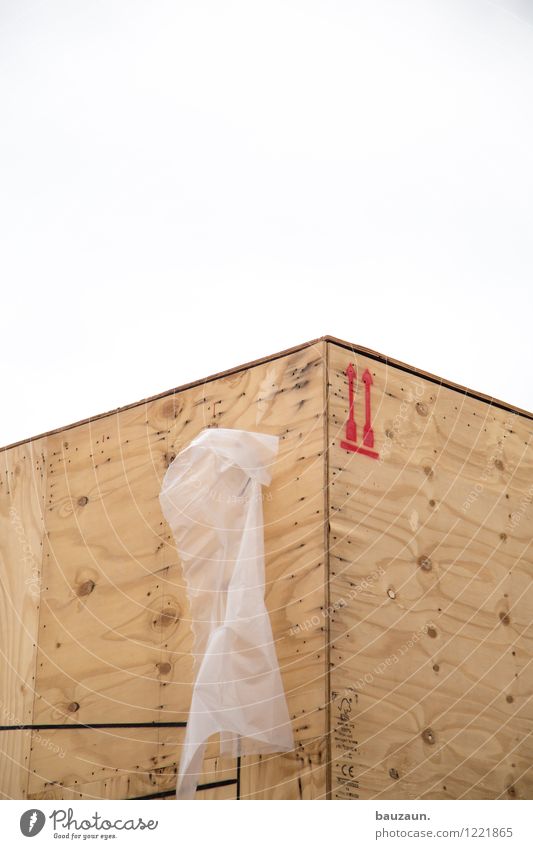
(212, 499)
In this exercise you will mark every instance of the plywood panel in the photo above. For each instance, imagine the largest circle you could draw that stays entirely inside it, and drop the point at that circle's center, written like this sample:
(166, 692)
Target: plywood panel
(22, 493)
(115, 635)
(104, 609)
(431, 595)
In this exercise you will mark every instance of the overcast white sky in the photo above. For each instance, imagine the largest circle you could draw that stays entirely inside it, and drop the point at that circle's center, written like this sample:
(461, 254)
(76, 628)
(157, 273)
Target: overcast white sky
(185, 186)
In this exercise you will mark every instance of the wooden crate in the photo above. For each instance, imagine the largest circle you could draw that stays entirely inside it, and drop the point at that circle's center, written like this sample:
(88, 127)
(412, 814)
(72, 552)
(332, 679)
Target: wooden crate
(398, 585)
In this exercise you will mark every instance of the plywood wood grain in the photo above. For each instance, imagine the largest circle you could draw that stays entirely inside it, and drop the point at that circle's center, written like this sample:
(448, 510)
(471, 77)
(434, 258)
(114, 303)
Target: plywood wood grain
(104, 607)
(399, 590)
(431, 593)
(22, 494)
(115, 763)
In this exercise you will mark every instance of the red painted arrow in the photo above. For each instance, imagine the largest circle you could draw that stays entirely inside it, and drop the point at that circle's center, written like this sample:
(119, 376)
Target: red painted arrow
(368, 433)
(351, 429)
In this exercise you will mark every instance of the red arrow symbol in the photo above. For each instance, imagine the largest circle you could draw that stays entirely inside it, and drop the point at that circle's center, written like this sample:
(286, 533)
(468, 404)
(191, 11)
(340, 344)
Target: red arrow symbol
(368, 433)
(351, 429)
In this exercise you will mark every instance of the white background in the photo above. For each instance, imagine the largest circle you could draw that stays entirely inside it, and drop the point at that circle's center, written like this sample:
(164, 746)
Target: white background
(188, 185)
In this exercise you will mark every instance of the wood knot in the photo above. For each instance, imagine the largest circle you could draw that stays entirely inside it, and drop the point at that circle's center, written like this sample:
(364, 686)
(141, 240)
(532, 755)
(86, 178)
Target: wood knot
(421, 408)
(428, 471)
(391, 593)
(73, 707)
(394, 773)
(504, 617)
(436, 667)
(511, 791)
(164, 668)
(503, 536)
(509, 699)
(428, 736)
(168, 410)
(86, 588)
(169, 458)
(425, 563)
(165, 619)
(498, 464)
(389, 434)
(83, 500)
(432, 632)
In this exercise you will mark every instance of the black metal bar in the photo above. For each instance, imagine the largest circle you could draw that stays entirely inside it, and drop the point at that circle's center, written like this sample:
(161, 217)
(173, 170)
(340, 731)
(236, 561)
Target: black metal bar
(165, 793)
(79, 725)
(238, 778)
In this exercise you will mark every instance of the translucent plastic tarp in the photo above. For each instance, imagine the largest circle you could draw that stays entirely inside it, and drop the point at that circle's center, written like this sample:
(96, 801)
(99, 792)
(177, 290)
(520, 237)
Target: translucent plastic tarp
(212, 499)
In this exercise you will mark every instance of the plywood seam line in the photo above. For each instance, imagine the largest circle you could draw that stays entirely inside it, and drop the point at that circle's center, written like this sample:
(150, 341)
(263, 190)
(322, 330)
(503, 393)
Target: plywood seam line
(327, 592)
(44, 543)
(45, 553)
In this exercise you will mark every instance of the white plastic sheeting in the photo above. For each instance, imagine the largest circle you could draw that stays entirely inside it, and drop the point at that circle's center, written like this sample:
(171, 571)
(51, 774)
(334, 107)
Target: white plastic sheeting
(212, 499)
